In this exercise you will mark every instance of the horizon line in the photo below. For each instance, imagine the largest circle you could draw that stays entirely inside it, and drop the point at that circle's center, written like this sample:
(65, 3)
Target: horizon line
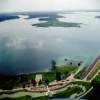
(73, 10)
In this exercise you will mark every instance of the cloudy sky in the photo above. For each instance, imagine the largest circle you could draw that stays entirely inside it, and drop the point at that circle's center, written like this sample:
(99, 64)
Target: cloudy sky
(45, 5)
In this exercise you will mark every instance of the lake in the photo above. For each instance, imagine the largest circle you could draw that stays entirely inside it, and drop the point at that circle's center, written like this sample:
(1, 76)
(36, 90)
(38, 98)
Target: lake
(29, 41)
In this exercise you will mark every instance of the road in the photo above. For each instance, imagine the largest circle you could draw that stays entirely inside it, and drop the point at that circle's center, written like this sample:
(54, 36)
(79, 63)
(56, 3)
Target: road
(85, 74)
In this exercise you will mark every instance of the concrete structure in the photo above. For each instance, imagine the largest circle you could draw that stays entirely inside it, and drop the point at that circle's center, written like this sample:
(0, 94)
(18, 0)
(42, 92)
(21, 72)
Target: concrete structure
(38, 77)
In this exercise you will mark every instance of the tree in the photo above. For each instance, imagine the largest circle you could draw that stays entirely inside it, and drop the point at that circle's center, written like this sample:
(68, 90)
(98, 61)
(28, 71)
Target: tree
(24, 85)
(8, 86)
(96, 88)
(79, 63)
(66, 59)
(58, 76)
(33, 82)
(40, 82)
(29, 83)
(96, 82)
(71, 63)
(24, 80)
(46, 82)
(53, 65)
(66, 74)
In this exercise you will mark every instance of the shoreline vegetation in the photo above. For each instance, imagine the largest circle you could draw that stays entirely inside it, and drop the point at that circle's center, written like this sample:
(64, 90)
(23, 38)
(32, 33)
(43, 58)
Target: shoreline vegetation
(59, 82)
(14, 81)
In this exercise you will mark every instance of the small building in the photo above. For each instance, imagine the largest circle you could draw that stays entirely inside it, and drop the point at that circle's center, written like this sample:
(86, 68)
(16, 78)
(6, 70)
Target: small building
(38, 77)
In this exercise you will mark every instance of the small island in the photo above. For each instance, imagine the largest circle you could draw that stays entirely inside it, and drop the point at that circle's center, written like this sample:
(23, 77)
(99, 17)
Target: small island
(54, 22)
(98, 17)
(5, 17)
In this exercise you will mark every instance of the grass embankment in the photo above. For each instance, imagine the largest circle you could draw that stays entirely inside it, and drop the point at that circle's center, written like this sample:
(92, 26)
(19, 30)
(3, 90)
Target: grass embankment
(95, 69)
(80, 73)
(87, 85)
(75, 89)
(68, 92)
(20, 94)
(27, 97)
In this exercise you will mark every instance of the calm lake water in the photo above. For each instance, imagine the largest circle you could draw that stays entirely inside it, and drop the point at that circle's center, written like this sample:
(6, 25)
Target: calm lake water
(30, 41)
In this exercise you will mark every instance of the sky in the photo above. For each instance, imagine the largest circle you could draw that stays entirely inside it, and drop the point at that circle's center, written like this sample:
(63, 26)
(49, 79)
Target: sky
(47, 5)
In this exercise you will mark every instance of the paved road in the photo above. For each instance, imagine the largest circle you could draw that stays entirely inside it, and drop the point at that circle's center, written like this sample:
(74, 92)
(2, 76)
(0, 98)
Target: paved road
(90, 67)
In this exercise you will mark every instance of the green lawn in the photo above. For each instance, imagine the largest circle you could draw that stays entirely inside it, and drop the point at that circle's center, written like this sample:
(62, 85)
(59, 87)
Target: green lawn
(69, 69)
(27, 97)
(49, 76)
(75, 89)
(68, 92)
(21, 94)
(86, 84)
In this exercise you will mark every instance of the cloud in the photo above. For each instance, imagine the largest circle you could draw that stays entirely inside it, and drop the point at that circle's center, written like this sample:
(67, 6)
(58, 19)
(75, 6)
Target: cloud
(38, 5)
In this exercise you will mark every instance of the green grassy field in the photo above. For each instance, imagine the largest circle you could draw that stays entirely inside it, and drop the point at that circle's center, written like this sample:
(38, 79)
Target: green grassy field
(68, 92)
(69, 69)
(86, 84)
(27, 97)
(73, 90)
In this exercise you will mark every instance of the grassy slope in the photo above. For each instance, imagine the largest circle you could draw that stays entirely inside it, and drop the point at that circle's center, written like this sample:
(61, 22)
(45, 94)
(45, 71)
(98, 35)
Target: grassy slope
(94, 70)
(80, 73)
(27, 98)
(68, 92)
